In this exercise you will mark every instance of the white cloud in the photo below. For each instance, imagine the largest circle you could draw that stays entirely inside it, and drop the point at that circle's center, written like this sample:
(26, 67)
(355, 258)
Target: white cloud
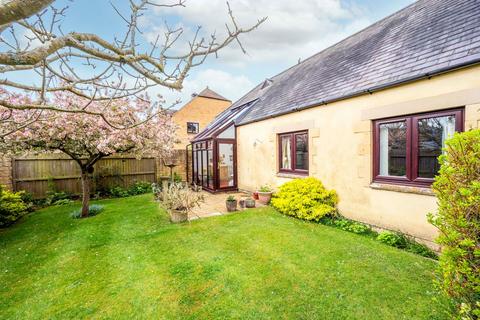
(27, 40)
(230, 86)
(294, 29)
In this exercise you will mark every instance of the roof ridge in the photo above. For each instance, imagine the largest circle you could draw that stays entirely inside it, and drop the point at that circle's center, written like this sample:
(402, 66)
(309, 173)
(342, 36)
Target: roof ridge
(209, 93)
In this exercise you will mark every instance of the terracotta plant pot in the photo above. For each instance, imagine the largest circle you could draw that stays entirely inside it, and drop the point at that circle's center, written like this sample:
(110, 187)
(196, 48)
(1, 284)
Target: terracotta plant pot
(231, 205)
(264, 197)
(250, 203)
(177, 216)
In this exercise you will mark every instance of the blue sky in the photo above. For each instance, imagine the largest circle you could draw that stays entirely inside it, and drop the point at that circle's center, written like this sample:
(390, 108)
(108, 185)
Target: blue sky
(294, 30)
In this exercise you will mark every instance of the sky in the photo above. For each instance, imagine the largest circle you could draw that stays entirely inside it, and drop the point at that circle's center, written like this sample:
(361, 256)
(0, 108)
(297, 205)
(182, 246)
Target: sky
(294, 30)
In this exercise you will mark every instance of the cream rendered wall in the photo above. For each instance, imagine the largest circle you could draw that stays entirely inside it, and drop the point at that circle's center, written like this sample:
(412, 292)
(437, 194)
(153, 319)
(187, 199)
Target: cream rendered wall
(341, 148)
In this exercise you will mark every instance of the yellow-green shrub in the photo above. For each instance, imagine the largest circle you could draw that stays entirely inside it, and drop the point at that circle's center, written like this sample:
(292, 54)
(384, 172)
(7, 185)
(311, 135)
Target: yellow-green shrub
(458, 191)
(305, 199)
(12, 207)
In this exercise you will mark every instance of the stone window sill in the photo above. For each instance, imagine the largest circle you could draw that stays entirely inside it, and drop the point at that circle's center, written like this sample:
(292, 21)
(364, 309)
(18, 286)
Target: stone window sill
(291, 175)
(404, 189)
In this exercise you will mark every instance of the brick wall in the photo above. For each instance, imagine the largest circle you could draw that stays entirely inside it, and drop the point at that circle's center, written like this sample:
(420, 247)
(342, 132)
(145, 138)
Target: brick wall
(6, 172)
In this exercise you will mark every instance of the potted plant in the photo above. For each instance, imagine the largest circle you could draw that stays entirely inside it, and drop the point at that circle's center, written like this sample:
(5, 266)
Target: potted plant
(265, 194)
(250, 203)
(179, 200)
(231, 203)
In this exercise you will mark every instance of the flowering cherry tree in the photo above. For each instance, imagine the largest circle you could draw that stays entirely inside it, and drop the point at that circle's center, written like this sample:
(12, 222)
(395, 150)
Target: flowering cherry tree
(43, 51)
(87, 138)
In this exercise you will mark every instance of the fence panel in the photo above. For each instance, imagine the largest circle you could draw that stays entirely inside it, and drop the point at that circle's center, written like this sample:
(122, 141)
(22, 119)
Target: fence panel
(34, 174)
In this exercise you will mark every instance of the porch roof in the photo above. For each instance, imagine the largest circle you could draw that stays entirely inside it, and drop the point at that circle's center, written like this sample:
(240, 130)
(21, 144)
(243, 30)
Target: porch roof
(228, 117)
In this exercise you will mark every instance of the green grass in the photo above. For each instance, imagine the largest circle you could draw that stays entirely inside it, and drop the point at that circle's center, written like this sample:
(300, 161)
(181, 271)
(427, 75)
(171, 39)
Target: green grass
(130, 262)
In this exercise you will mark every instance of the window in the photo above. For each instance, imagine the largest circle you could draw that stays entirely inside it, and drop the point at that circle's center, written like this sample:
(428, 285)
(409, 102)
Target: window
(193, 127)
(293, 152)
(406, 149)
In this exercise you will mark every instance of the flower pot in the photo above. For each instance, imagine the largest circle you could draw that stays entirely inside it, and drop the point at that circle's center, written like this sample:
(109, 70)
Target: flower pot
(250, 203)
(177, 216)
(231, 205)
(241, 203)
(255, 196)
(264, 197)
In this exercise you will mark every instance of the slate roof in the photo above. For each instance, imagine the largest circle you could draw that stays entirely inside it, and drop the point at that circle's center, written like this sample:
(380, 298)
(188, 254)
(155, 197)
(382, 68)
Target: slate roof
(426, 38)
(208, 93)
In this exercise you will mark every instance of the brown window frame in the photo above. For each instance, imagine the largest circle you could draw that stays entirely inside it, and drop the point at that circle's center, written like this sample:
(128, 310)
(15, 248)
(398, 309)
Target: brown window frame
(411, 178)
(196, 123)
(293, 143)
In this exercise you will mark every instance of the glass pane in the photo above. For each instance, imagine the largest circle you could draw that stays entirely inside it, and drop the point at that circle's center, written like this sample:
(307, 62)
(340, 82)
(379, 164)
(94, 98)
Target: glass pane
(225, 165)
(286, 161)
(432, 133)
(228, 133)
(210, 168)
(393, 149)
(204, 168)
(301, 151)
(195, 167)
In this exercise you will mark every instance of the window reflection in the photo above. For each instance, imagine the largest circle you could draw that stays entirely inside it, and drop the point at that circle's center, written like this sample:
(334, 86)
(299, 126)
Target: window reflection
(393, 149)
(301, 151)
(432, 133)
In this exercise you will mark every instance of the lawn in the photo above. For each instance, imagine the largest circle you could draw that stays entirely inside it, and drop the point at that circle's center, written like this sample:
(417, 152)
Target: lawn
(130, 262)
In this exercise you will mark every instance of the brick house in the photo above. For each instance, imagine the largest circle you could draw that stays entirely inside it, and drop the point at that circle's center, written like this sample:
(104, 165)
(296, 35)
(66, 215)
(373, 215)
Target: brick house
(196, 114)
(193, 117)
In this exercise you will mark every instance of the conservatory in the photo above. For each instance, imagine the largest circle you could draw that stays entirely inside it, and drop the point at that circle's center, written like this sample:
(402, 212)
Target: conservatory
(214, 158)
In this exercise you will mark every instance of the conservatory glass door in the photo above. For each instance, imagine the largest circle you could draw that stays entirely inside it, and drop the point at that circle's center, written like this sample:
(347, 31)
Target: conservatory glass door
(226, 165)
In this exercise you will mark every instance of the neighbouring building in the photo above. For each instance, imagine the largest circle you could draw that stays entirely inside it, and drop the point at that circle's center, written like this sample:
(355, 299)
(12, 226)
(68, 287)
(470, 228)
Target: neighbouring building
(193, 117)
(367, 116)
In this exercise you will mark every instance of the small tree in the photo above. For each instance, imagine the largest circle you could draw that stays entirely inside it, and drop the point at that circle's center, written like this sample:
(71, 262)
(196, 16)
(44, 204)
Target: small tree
(458, 190)
(87, 138)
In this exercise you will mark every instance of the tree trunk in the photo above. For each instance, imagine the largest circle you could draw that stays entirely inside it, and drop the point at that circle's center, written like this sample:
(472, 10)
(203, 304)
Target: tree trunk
(86, 193)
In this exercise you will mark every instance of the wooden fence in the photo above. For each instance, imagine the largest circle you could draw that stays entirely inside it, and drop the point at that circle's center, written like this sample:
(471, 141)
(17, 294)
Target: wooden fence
(37, 173)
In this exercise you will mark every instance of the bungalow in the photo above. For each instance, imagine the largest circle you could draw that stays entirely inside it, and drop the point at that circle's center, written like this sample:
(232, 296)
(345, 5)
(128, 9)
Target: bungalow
(367, 116)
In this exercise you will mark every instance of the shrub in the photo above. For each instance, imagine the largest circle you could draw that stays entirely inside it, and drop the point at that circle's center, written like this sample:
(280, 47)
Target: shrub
(458, 191)
(63, 202)
(402, 241)
(12, 207)
(352, 226)
(177, 178)
(140, 187)
(53, 195)
(393, 239)
(180, 197)
(421, 250)
(93, 210)
(118, 192)
(305, 199)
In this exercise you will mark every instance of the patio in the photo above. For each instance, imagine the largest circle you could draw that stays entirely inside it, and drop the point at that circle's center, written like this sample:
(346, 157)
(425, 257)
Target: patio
(214, 205)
